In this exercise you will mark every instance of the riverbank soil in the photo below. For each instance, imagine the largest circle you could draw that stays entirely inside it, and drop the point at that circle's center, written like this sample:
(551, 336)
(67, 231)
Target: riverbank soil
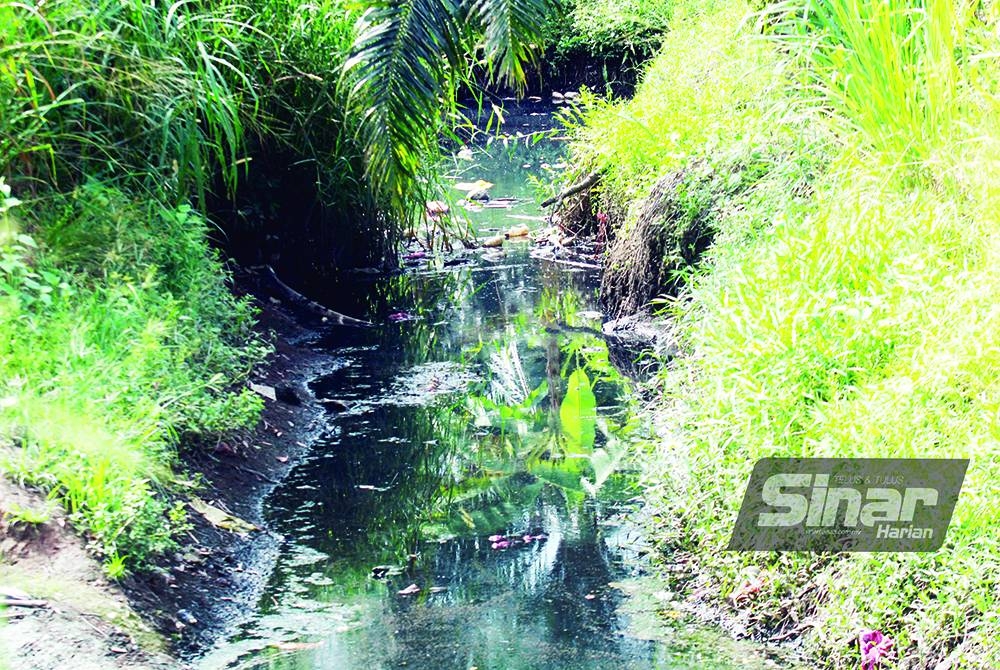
(62, 612)
(214, 581)
(193, 594)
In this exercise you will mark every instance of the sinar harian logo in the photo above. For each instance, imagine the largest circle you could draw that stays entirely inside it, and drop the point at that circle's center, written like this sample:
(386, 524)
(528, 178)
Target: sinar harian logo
(848, 504)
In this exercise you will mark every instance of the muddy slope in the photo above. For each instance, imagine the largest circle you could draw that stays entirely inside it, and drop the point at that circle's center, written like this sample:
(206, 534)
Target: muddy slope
(213, 583)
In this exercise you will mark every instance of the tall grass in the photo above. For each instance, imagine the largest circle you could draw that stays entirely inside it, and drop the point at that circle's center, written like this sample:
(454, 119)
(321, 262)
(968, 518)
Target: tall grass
(132, 89)
(855, 319)
(884, 71)
(119, 338)
(114, 350)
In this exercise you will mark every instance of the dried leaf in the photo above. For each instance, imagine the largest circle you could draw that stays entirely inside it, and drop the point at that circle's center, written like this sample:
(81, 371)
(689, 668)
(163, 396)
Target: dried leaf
(221, 519)
(266, 391)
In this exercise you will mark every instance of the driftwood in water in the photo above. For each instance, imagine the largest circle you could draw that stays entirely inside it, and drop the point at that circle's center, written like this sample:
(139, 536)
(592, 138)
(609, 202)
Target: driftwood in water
(587, 182)
(313, 306)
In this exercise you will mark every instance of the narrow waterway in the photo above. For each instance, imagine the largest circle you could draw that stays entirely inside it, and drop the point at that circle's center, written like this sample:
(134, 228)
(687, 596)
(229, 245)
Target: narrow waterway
(467, 505)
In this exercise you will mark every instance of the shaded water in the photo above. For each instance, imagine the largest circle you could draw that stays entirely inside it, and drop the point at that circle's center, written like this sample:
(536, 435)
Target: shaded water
(485, 407)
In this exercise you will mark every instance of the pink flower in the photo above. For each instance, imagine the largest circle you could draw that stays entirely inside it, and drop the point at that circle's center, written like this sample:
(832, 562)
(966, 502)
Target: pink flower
(496, 538)
(527, 538)
(502, 544)
(875, 647)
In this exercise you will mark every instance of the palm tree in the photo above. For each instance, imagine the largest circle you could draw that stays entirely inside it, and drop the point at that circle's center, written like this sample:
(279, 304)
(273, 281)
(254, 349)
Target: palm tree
(408, 60)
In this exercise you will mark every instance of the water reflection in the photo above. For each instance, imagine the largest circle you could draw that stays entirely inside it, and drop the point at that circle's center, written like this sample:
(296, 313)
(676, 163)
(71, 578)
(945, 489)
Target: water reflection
(486, 406)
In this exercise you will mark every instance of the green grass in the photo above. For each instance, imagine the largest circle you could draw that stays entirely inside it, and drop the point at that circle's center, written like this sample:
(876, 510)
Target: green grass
(112, 358)
(120, 339)
(628, 28)
(172, 98)
(848, 305)
(730, 91)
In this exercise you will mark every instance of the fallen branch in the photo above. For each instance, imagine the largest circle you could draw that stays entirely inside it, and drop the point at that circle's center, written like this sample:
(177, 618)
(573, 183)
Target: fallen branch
(312, 305)
(587, 182)
(251, 471)
(14, 602)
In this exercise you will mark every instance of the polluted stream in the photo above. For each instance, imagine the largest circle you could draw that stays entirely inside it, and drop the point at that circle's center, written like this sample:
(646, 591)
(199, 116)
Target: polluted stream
(467, 504)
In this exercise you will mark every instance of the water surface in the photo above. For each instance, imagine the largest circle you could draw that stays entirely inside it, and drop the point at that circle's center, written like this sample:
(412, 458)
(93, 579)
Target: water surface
(469, 509)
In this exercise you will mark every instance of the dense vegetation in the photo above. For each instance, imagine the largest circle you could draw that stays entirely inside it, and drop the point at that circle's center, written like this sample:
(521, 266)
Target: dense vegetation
(847, 306)
(843, 154)
(123, 126)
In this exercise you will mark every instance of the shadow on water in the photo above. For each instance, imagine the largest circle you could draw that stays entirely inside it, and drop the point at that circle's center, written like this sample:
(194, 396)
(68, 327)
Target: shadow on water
(465, 506)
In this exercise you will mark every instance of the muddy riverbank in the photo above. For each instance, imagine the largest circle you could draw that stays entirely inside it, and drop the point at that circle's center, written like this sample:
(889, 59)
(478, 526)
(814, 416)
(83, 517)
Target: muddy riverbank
(217, 576)
(153, 619)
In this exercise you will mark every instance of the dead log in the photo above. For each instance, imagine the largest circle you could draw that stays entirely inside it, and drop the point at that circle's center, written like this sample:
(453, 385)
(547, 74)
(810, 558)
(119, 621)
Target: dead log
(313, 306)
(587, 182)
(14, 602)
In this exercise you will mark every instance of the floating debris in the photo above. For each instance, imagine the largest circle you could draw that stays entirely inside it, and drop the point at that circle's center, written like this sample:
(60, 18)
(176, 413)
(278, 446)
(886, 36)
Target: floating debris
(519, 231)
(506, 541)
(383, 571)
(436, 209)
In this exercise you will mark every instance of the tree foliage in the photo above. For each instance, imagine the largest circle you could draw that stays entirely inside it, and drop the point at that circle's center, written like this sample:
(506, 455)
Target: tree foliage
(409, 60)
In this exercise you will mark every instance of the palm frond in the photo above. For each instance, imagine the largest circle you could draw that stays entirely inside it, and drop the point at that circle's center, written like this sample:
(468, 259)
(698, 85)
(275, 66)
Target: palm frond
(403, 60)
(409, 59)
(512, 29)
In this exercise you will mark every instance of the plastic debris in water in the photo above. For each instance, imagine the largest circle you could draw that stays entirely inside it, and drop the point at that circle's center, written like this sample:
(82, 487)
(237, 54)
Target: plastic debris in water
(505, 541)
(435, 209)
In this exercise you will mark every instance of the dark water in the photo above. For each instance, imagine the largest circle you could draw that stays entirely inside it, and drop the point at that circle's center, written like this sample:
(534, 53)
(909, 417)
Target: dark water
(484, 407)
